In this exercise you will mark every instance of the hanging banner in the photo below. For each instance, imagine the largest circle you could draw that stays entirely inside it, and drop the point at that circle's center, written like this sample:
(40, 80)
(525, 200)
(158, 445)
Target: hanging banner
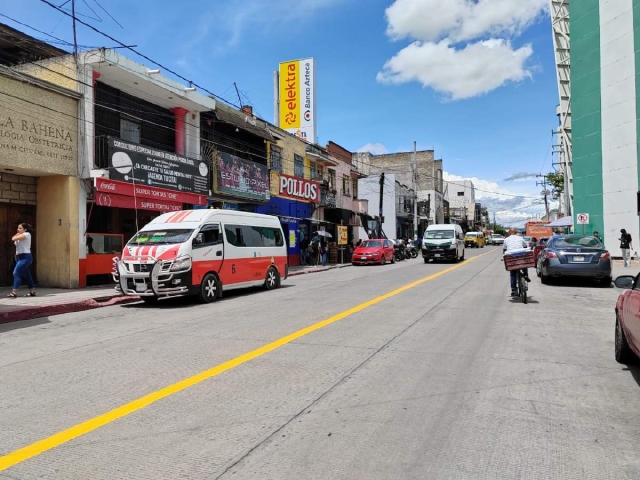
(241, 178)
(140, 164)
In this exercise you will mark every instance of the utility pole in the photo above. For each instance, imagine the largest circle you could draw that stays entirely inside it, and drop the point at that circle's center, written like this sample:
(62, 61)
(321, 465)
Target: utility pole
(494, 221)
(75, 38)
(415, 192)
(381, 201)
(545, 192)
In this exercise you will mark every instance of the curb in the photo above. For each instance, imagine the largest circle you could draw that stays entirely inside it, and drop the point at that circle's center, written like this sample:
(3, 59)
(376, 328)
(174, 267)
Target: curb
(38, 311)
(324, 269)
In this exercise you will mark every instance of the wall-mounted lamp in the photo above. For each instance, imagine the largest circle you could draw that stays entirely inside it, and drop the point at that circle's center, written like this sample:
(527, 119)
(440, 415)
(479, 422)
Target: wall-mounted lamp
(153, 72)
(189, 89)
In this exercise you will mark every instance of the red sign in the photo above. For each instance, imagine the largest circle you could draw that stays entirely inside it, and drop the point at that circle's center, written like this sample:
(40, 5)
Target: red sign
(123, 201)
(299, 188)
(142, 191)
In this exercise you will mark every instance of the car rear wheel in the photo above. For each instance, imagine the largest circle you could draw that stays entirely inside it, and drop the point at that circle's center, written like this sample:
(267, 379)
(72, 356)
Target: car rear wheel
(393, 259)
(624, 354)
(384, 260)
(545, 280)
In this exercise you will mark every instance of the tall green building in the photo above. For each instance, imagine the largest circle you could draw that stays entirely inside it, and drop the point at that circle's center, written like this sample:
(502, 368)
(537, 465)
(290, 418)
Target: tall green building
(605, 44)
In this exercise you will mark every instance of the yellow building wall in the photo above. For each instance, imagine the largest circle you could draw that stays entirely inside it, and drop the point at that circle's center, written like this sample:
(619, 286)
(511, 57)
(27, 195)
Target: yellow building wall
(58, 70)
(292, 145)
(58, 236)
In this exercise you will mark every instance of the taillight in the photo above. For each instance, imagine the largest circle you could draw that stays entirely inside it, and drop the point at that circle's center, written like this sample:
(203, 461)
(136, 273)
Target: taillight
(551, 255)
(605, 256)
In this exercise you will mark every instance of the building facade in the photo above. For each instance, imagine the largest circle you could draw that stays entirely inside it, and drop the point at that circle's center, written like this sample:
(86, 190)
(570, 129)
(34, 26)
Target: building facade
(605, 36)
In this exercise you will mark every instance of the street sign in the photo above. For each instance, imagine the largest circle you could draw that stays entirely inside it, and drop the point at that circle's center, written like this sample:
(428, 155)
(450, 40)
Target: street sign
(582, 218)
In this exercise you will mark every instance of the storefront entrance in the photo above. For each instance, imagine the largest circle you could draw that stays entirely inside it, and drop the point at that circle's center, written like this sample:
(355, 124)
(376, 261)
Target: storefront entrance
(10, 217)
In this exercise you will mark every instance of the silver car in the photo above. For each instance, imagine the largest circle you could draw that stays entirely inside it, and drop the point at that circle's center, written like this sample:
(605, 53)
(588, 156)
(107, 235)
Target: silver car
(497, 239)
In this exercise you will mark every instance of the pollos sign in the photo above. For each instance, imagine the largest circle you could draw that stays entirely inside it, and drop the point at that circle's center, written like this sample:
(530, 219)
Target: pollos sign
(300, 188)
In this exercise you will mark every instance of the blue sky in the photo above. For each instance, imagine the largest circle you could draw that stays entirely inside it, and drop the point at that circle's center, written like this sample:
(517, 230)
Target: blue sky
(473, 79)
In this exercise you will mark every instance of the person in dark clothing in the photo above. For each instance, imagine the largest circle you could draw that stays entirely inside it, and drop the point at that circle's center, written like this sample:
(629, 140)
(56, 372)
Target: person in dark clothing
(304, 250)
(626, 246)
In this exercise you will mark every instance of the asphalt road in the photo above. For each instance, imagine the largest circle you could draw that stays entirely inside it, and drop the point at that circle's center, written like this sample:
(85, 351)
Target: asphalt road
(447, 378)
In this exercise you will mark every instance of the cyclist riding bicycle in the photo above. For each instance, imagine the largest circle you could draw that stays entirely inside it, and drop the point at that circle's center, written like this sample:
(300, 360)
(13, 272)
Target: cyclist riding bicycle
(511, 243)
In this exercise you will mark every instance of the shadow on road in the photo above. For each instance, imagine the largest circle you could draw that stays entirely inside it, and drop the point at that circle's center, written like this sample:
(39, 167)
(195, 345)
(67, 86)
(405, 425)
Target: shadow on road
(7, 327)
(577, 283)
(635, 372)
(519, 300)
(190, 301)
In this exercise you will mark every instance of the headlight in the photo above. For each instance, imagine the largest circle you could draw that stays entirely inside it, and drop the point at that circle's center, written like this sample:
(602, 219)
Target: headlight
(181, 264)
(452, 246)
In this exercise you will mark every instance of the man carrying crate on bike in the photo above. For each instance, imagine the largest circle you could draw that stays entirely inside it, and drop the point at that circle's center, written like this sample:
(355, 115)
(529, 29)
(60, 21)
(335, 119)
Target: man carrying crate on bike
(512, 243)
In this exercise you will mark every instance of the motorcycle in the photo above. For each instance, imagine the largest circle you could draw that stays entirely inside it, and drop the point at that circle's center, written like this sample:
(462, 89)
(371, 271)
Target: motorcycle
(398, 251)
(412, 251)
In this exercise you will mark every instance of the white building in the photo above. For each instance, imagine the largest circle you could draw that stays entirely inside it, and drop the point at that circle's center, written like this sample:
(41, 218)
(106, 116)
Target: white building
(462, 200)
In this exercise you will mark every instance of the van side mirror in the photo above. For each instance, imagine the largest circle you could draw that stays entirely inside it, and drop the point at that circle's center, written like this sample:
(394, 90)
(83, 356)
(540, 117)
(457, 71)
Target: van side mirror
(199, 240)
(625, 281)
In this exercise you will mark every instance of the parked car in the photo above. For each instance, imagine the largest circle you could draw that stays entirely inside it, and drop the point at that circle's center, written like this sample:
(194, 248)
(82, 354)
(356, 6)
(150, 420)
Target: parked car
(627, 335)
(474, 240)
(574, 256)
(531, 241)
(373, 251)
(540, 245)
(497, 239)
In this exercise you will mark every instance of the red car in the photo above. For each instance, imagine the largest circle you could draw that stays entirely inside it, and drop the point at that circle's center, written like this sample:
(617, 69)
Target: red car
(627, 341)
(539, 247)
(373, 251)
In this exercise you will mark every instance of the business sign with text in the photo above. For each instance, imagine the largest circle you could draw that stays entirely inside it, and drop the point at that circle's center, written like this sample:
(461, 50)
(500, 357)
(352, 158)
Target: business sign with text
(104, 185)
(241, 178)
(140, 164)
(299, 189)
(297, 98)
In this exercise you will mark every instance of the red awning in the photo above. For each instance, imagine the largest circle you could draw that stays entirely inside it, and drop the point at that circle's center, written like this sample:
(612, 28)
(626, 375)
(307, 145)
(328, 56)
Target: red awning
(123, 201)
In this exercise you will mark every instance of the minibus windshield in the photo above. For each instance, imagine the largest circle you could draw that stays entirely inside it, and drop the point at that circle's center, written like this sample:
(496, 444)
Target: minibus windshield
(161, 237)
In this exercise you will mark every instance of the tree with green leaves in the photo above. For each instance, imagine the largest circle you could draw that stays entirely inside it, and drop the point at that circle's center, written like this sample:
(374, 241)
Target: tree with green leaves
(556, 180)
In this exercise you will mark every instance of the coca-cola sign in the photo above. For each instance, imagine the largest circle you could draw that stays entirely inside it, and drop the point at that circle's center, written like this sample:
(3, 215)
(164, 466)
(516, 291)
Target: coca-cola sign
(299, 188)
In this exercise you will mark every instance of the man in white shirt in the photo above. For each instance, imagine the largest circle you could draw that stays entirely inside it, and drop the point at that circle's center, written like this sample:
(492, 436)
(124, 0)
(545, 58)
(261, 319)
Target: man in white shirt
(515, 242)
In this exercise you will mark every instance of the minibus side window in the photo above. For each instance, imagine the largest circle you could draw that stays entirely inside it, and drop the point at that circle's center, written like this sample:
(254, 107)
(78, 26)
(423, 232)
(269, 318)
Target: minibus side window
(210, 235)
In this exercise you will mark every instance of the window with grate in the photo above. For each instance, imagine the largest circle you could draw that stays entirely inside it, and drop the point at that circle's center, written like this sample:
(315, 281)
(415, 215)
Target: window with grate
(298, 166)
(346, 185)
(130, 130)
(331, 174)
(354, 188)
(276, 159)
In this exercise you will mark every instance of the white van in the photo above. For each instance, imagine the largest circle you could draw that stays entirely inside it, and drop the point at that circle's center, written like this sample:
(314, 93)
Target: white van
(203, 253)
(443, 242)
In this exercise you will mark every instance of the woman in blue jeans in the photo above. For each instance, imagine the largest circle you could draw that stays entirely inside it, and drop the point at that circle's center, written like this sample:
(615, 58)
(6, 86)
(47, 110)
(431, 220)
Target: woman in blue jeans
(22, 241)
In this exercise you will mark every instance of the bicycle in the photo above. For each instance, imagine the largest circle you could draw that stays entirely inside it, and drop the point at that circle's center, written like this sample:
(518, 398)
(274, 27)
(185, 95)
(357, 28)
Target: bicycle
(519, 261)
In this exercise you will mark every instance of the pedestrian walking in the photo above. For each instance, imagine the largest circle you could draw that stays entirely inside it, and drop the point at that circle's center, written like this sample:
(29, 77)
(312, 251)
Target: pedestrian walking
(626, 246)
(24, 259)
(304, 250)
(315, 250)
(324, 250)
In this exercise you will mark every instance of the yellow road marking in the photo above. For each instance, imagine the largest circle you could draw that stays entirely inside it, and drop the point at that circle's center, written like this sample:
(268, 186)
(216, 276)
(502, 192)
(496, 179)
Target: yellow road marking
(83, 428)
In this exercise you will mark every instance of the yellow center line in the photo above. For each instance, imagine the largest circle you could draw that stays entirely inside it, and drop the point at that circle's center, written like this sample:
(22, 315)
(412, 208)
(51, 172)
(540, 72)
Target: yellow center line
(92, 424)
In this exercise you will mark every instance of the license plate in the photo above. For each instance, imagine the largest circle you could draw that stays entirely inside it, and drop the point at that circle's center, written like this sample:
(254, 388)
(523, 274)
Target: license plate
(141, 287)
(437, 255)
(578, 259)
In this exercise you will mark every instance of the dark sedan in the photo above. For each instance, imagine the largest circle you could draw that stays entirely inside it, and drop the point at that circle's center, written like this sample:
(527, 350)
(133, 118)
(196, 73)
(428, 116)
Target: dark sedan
(574, 256)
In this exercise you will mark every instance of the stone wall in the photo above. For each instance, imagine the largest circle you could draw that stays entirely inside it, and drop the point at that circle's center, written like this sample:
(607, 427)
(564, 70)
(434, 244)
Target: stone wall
(18, 189)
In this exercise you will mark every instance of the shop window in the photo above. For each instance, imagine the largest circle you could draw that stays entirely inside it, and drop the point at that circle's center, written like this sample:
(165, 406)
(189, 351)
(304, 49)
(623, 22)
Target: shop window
(129, 130)
(354, 188)
(298, 166)
(346, 185)
(276, 159)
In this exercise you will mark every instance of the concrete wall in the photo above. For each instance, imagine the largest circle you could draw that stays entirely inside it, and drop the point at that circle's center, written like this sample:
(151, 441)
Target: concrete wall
(369, 189)
(33, 138)
(18, 189)
(58, 236)
(58, 70)
(400, 165)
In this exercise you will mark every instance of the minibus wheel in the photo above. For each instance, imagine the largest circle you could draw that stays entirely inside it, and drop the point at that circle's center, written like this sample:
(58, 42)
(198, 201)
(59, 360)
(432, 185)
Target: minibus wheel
(209, 288)
(273, 279)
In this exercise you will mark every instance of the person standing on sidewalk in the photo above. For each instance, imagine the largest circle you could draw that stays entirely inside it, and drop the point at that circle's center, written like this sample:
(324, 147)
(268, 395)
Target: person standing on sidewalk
(626, 246)
(304, 250)
(22, 241)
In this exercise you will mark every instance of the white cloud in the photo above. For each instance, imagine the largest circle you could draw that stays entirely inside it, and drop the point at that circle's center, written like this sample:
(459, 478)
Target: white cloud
(476, 69)
(457, 49)
(511, 207)
(460, 20)
(375, 148)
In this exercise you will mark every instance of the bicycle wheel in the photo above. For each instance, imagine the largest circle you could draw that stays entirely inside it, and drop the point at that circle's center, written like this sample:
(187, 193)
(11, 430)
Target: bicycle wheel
(523, 288)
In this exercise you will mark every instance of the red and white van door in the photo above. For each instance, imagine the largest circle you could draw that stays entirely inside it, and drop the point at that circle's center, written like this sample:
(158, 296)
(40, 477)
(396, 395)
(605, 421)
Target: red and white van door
(207, 252)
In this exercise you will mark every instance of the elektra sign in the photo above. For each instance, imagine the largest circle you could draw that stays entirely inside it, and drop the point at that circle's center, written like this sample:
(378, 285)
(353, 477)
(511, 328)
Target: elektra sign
(299, 188)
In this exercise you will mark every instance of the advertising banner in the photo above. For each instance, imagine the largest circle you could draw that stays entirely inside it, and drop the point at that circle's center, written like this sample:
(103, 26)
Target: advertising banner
(298, 188)
(297, 100)
(241, 178)
(122, 188)
(123, 201)
(343, 235)
(131, 162)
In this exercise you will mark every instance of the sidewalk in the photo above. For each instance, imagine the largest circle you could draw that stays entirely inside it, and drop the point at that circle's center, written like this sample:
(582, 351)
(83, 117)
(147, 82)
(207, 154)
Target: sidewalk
(54, 301)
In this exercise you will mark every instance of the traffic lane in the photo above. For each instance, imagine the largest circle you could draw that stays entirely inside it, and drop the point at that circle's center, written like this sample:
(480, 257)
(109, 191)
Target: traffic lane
(83, 382)
(66, 332)
(228, 415)
(478, 388)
